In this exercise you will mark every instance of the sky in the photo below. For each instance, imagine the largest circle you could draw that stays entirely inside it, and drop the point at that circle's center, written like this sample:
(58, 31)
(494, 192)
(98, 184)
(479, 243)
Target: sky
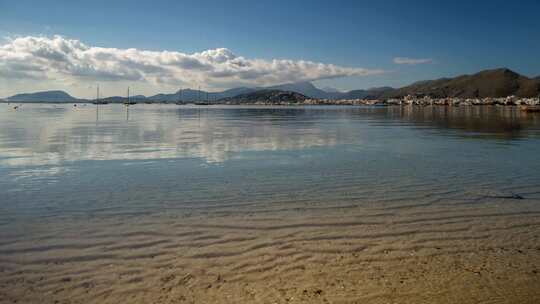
(160, 46)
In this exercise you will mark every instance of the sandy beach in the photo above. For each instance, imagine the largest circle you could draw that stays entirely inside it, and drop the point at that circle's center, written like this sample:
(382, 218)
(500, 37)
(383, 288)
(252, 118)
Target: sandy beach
(481, 253)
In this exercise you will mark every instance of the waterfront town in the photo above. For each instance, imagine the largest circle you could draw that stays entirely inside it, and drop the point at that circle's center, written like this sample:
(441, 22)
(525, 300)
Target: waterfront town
(419, 101)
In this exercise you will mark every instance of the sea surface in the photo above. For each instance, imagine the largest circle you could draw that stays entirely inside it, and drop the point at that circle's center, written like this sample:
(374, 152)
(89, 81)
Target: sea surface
(211, 187)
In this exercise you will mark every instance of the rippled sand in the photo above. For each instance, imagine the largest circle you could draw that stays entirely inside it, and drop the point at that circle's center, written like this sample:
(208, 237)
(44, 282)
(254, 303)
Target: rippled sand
(484, 252)
(269, 205)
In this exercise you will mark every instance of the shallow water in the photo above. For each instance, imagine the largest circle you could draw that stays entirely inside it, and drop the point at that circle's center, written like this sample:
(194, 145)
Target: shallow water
(236, 188)
(59, 159)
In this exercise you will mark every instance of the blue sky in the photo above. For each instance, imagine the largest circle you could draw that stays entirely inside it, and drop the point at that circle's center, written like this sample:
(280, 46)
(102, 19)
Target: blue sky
(454, 37)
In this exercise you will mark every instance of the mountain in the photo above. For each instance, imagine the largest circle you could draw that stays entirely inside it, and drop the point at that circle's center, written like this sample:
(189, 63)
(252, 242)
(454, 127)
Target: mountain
(164, 97)
(233, 92)
(190, 95)
(331, 90)
(372, 93)
(377, 90)
(266, 96)
(45, 96)
(307, 89)
(489, 83)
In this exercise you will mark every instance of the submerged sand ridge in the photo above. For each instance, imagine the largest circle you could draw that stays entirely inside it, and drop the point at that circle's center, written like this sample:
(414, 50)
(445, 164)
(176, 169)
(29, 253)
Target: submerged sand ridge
(488, 251)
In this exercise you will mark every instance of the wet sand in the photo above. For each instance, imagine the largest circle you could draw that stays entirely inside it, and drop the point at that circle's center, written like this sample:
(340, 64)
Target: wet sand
(486, 252)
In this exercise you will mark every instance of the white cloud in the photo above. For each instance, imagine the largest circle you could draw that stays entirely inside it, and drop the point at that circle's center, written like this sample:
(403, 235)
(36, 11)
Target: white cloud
(69, 60)
(412, 61)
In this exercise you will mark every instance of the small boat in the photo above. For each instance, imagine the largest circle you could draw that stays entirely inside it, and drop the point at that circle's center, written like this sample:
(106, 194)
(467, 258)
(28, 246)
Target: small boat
(531, 109)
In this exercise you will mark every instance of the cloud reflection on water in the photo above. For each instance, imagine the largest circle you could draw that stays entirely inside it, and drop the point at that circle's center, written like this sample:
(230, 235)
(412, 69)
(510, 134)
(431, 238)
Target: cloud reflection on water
(47, 134)
(38, 135)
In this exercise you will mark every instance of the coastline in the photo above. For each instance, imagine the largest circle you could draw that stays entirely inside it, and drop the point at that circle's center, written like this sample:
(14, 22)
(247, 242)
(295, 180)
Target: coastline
(405, 101)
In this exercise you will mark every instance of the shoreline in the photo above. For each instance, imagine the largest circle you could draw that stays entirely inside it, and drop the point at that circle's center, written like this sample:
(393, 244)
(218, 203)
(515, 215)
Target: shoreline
(406, 101)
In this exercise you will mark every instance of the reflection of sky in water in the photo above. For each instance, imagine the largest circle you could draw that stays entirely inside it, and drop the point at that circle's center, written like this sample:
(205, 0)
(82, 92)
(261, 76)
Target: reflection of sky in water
(53, 134)
(58, 158)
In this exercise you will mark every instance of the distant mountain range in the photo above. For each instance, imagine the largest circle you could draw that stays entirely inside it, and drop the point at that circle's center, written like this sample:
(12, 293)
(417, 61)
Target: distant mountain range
(488, 83)
(190, 95)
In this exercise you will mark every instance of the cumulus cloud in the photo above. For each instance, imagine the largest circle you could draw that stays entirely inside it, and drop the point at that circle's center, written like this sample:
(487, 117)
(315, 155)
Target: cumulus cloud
(412, 61)
(69, 59)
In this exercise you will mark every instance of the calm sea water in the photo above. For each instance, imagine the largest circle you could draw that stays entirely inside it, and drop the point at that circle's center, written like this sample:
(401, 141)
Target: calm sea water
(98, 205)
(61, 161)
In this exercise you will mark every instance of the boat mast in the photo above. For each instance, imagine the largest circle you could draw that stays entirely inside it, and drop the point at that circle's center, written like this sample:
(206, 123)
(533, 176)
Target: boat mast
(97, 103)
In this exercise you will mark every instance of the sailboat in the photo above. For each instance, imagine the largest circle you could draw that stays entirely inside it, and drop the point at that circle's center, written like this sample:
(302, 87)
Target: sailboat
(200, 102)
(129, 102)
(97, 101)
